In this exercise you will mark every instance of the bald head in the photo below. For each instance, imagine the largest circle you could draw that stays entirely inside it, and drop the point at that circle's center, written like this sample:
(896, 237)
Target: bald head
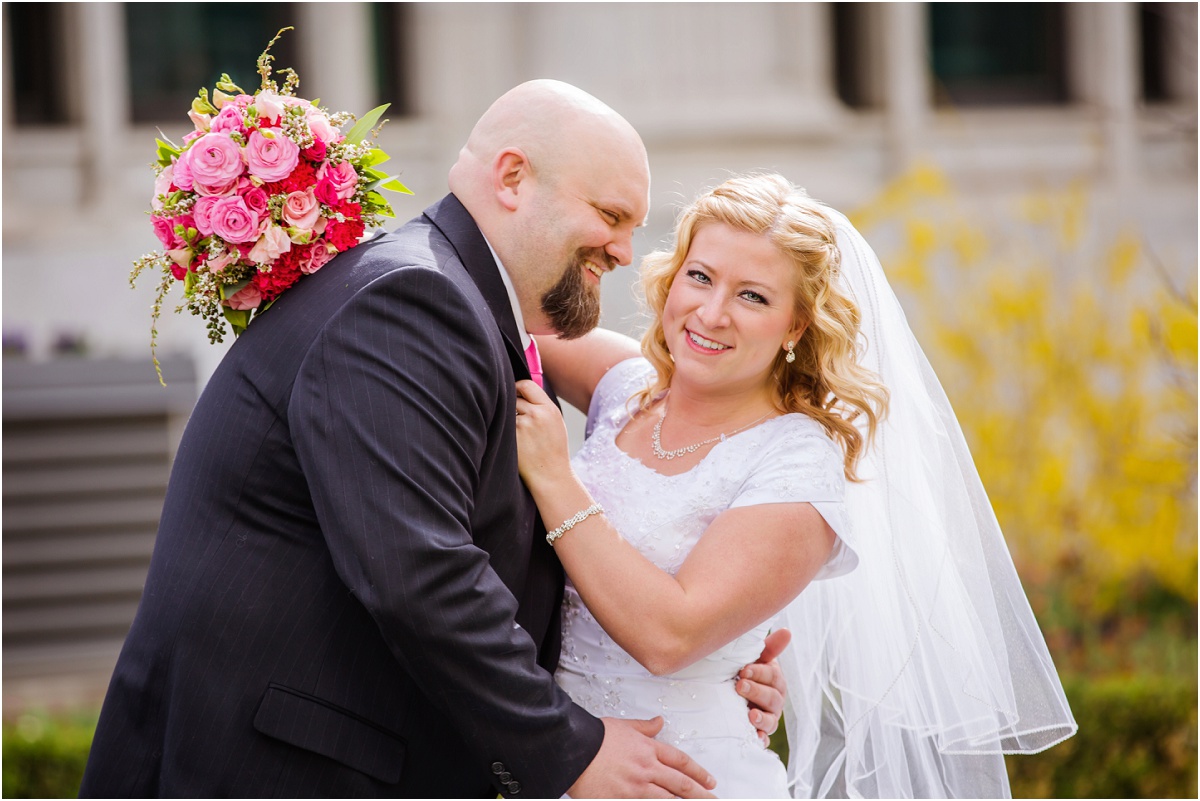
(557, 126)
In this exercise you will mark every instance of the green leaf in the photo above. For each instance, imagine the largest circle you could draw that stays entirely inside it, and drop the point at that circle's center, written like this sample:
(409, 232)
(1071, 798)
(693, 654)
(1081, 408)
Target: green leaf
(389, 182)
(379, 205)
(238, 318)
(201, 105)
(229, 290)
(189, 281)
(365, 124)
(375, 156)
(165, 151)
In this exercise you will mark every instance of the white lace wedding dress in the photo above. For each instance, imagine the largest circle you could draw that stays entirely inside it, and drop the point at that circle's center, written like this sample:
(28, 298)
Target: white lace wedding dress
(785, 459)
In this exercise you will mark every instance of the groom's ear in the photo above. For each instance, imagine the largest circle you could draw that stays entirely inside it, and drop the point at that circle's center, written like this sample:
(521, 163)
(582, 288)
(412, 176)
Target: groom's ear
(509, 170)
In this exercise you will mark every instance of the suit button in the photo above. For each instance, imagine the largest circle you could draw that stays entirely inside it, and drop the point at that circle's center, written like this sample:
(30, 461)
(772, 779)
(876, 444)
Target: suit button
(497, 768)
(514, 787)
(505, 778)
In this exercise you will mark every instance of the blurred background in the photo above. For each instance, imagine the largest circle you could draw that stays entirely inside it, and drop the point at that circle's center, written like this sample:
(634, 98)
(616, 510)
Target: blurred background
(1027, 173)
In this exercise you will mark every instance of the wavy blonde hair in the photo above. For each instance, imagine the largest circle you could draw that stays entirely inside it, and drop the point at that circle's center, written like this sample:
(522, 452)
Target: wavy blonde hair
(826, 381)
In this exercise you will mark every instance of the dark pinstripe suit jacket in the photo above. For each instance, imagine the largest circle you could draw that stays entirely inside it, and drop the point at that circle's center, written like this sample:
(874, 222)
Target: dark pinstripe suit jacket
(348, 595)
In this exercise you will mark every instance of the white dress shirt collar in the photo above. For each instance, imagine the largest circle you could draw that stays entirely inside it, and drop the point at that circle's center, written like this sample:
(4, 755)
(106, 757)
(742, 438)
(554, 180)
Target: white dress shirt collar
(512, 299)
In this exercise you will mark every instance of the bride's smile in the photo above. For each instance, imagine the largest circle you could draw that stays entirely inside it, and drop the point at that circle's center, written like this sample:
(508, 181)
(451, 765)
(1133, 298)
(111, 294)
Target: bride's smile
(731, 309)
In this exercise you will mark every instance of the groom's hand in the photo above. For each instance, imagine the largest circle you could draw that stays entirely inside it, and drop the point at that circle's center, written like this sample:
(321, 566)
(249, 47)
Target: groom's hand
(763, 686)
(632, 765)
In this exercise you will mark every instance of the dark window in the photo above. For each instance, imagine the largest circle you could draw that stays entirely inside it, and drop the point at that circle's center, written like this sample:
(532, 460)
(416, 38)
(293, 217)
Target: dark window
(391, 23)
(997, 53)
(1159, 25)
(850, 61)
(177, 48)
(35, 35)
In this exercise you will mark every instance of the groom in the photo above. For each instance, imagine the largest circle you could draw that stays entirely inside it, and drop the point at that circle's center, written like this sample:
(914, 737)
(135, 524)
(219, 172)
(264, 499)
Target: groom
(350, 594)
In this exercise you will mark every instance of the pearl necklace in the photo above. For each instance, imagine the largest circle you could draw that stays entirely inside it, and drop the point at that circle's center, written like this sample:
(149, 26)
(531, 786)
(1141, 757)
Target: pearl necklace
(656, 438)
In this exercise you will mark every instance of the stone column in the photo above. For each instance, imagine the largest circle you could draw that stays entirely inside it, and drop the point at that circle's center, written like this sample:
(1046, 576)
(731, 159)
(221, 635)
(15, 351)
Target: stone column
(908, 96)
(104, 107)
(1118, 68)
(337, 55)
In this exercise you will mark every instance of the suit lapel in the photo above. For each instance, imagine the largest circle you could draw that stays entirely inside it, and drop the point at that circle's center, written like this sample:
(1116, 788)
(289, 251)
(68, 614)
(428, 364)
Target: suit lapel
(453, 220)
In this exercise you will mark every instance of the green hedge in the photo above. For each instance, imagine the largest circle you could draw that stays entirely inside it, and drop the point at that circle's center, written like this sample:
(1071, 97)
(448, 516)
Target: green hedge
(44, 756)
(1137, 739)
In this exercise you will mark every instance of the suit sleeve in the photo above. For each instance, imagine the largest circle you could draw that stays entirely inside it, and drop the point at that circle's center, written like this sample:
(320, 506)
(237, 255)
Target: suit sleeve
(390, 415)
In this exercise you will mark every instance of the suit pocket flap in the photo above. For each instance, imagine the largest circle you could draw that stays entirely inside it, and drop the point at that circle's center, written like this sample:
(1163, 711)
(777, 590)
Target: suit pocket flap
(307, 722)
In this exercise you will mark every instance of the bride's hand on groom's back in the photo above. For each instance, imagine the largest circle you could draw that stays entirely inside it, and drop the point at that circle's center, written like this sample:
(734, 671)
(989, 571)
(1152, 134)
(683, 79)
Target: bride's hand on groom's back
(763, 686)
(631, 764)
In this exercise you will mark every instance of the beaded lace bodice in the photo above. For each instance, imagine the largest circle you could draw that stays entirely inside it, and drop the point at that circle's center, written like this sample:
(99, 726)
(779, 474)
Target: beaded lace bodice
(787, 458)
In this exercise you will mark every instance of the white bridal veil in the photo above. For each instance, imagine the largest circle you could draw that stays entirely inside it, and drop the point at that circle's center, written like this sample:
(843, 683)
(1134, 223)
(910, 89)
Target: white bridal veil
(911, 676)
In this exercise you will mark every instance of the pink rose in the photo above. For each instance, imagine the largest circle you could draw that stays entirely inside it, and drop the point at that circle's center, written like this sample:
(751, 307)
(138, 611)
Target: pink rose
(182, 258)
(232, 221)
(271, 155)
(182, 172)
(230, 119)
(216, 161)
(273, 244)
(246, 298)
(336, 183)
(202, 212)
(318, 256)
(320, 126)
(216, 190)
(301, 209)
(256, 199)
(227, 257)
(269, 105)
(162, 186)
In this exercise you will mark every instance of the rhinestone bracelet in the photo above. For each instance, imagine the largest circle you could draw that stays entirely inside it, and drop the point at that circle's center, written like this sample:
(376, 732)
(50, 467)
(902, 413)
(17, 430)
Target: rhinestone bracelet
(570, 523)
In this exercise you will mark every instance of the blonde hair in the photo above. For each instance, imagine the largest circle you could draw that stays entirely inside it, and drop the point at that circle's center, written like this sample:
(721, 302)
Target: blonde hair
(826, 381)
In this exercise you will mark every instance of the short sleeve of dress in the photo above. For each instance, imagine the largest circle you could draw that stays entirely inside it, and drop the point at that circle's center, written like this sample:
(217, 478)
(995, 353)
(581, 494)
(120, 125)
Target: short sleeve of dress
(610, 400)
(801, 464)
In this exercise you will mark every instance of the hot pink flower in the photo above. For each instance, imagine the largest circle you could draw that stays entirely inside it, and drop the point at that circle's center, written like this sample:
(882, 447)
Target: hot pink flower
(248, 297)
(164, 229)
(232, 221)
(316, 152)
(301, 209)
(271, 155)
(336, 183)
(216, 161)
(256, 199)
(271, 245)
(316, 258)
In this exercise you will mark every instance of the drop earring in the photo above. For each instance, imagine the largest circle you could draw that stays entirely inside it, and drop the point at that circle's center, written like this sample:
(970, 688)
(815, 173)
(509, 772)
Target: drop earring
(791, 352)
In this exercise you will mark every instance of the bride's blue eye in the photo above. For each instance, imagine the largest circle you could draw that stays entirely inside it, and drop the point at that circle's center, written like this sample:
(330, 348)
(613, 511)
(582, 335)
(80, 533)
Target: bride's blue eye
(754, 297)
(697, 275)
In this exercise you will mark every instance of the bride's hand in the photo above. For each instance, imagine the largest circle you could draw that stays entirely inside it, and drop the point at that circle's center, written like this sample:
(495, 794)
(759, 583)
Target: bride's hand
(542, 450)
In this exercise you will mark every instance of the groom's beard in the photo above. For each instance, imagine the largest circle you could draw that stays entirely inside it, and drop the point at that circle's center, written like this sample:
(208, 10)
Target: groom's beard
(573, 304)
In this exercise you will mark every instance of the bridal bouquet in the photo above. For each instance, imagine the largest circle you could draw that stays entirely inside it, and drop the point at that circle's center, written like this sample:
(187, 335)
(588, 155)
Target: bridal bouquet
(265, 190)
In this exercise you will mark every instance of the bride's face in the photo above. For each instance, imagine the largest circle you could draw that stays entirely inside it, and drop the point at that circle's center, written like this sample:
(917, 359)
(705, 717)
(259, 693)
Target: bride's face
(730, 311)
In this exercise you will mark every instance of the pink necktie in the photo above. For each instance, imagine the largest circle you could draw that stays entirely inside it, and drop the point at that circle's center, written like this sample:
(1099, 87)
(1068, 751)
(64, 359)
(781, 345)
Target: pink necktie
(535, 362)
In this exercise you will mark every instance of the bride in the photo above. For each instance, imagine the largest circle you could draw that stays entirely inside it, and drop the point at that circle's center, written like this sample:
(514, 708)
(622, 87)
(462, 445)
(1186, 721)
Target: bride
(783, 455)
